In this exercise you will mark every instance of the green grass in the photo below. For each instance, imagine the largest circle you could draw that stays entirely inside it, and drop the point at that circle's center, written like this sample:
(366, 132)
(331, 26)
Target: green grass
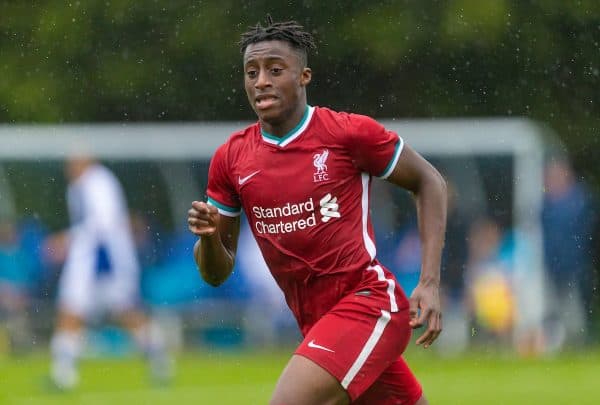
(248, 378)
(505, 379)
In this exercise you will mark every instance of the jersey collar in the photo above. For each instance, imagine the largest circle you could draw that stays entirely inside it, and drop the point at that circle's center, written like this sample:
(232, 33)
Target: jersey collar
(293, 134)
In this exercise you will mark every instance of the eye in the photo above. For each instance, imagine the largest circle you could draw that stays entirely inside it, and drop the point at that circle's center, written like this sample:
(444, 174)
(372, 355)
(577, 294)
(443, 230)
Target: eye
(251, 73)
(276, 70)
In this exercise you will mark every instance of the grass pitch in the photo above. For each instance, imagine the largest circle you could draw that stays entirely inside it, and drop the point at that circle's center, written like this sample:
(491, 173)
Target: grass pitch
(248, 378)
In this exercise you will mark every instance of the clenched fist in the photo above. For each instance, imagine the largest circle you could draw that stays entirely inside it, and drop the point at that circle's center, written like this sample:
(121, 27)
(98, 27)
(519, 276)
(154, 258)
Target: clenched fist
(203, 218)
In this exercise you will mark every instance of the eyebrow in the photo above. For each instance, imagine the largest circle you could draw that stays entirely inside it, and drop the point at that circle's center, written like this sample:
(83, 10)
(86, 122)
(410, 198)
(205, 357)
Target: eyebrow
(268, 58)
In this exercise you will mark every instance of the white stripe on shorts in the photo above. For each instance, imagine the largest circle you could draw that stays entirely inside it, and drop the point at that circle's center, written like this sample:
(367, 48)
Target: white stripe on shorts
(367, 349)
(391, 286)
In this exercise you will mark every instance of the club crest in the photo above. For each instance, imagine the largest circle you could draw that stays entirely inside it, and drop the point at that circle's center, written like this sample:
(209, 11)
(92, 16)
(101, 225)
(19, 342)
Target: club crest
(319, 161)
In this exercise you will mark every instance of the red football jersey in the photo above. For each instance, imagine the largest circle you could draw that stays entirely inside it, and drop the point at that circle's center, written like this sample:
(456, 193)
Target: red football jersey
(306, 197)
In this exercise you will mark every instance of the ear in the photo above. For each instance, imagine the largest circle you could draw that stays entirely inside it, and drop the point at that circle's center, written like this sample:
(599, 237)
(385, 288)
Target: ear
(305, 77)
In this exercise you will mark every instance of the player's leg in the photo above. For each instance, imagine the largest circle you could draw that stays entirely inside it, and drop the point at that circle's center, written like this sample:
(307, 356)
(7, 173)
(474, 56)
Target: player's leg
(75, 302)
(150, 338)
(304, 382)
(396, 385)
(122, 295)
(352, 345)
(65, 348)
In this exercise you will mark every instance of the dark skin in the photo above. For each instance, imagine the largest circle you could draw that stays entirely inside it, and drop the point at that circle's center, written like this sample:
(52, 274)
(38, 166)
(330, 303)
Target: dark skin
(275, 82)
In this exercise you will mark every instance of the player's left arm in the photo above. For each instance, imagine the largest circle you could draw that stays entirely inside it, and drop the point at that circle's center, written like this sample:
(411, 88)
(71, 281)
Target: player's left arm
(416, 174)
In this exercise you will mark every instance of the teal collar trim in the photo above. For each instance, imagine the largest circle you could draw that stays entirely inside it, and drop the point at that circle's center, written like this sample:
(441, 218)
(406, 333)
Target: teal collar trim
(293, 134)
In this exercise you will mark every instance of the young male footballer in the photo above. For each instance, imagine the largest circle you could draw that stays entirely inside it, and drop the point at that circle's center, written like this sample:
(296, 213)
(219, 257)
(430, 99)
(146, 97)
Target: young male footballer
(302, 176)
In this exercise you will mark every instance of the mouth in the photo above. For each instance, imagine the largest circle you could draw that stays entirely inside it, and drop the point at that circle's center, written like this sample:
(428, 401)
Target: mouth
(265, 101)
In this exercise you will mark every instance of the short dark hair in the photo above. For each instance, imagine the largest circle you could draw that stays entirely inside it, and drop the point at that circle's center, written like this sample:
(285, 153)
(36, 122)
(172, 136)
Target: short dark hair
(288, 31)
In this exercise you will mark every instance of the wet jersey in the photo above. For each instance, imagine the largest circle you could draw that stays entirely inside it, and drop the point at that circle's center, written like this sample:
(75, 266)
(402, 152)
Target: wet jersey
(306, 197)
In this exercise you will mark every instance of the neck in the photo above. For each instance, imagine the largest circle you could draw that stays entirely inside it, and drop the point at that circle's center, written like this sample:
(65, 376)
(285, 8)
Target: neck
(280, 129)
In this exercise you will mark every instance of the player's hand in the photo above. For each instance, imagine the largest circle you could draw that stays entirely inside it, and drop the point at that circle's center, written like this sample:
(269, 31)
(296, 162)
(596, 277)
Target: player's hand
(425, 309)
(203, 218)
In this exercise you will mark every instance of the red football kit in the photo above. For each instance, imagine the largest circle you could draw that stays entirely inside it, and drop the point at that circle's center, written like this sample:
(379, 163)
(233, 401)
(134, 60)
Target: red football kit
(306, 197)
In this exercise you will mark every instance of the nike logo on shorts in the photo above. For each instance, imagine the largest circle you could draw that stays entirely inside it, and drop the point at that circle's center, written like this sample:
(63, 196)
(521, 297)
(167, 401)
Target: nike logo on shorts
(313, 345)
(242, 180)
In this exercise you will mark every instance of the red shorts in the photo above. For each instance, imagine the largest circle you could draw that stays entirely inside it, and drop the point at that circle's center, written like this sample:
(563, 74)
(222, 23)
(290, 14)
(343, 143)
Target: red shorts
(363, 352)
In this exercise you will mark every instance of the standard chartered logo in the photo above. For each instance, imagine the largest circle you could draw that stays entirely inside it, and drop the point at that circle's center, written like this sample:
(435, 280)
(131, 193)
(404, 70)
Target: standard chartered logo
(292, 217)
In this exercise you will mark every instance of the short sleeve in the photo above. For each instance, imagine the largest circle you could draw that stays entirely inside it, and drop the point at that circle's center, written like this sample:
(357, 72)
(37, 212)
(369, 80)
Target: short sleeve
(374, 149)
(220, 191)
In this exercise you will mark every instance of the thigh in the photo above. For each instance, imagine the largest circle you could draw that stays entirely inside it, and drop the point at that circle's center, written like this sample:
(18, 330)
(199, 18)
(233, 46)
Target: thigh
(118, 292)
(77, 291)
(397, 385)
(356, 347)
(304, 382)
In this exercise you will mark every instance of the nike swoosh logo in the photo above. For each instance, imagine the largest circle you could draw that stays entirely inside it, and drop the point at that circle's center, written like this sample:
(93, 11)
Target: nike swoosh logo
(316, 346)
(242, 180)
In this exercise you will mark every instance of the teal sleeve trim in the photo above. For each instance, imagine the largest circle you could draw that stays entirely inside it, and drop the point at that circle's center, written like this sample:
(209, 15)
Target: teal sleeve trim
(224, 209)
(392, 164)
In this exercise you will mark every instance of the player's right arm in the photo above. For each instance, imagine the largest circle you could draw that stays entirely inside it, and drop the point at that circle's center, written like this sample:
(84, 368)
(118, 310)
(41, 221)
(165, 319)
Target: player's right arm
(214, 252)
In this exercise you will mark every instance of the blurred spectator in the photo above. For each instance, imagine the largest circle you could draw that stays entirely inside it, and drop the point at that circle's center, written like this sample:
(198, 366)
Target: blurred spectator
(100, 273)
(490, 296)
(167, 281)
(526, 280)
(397, 234)
(268, 320)
(180, 299)
(568, 220)
(19, 275)
(404, 255)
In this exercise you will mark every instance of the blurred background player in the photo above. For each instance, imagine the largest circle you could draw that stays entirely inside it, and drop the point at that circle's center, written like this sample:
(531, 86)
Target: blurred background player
(569, 216)
(100, 273)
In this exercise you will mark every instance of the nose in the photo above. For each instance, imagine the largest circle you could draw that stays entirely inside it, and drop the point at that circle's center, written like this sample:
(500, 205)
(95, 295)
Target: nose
(263, 80)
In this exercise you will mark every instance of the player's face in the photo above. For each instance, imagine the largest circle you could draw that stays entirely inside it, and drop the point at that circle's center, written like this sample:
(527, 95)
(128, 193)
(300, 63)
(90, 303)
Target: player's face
(275, 81)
